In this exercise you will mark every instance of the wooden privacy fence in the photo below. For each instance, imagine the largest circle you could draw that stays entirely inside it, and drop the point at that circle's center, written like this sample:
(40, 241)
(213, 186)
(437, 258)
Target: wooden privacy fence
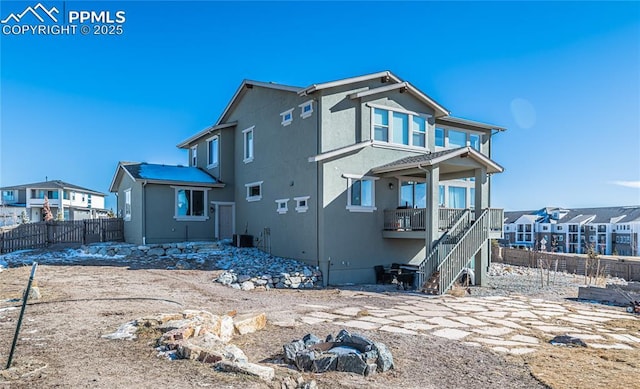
(625, 267)
(43, 234)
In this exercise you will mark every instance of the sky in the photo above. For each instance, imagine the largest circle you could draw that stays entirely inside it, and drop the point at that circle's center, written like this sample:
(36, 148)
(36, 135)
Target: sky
(563, 77)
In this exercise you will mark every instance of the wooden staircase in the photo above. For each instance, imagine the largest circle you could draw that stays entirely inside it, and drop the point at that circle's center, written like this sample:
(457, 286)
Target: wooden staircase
(432, 286)
(454, 250)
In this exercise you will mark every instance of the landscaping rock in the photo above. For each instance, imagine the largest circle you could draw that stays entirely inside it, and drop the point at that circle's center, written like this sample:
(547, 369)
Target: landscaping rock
(156, 251)
(351, 363)
(264, 372)
(385, 359)
(246, 324)
(291, 349)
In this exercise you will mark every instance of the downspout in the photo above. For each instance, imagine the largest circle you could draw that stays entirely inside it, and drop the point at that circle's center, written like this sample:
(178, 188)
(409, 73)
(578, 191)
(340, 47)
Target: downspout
(144, 214)
(319, 198)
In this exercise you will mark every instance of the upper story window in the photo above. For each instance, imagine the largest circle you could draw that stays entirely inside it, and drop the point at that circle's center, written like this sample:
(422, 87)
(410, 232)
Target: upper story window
(254, 191)
(194, 156)
(65, 195)
(439, 137)
(402, 128)
(282, 206)
(361, 196)
(190, 203)
(457, 197)
(8, 195)
(213, 151)
(457, 138)
(307, 109)
(127, 204)
(247, 135)
(413, 194)
(474, 141)
(287, 117)
(302, 203)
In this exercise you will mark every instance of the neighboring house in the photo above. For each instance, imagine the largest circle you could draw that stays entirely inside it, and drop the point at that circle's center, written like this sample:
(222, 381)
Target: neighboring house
(75, 202)
(343, 175)
(609, 230)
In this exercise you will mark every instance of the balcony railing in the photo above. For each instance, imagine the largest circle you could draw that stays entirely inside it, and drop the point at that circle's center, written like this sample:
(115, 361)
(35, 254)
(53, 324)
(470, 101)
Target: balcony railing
(415, 219)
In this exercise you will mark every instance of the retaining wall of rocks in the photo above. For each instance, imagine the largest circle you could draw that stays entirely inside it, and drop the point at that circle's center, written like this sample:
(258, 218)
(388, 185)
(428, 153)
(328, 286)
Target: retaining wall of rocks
(158, 250)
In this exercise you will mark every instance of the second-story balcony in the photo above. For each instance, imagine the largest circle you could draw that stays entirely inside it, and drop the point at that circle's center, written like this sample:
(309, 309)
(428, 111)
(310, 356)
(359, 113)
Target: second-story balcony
(410, 223)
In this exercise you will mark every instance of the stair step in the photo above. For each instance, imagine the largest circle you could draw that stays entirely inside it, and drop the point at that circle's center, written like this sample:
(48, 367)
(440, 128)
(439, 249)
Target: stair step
(432, 286)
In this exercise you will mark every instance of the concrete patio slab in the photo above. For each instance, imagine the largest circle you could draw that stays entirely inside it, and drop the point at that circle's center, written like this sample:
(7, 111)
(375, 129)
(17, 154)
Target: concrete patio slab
(361, 324)
(451, 333)
(398, 330)
(492, 331)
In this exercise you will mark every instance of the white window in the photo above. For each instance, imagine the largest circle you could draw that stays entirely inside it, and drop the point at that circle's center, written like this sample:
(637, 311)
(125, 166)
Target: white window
(398, 127)
(282, 206)
(248, 144)
(190, 203)
(194, 156)
(213, 151)
(592, 238)
(302, 203)
(560, 238)
(8, 195)
(287, 117)
(361, 194)
(307, 109)
(254, 191)
(127, 204)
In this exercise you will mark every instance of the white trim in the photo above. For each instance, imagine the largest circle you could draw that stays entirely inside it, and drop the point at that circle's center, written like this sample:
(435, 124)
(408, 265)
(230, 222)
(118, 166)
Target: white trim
(204, 203)
(304, 114)
(358, 208)
(340, 151)
(284, 121)
(215, 164)
(252, 184)
(245, 158)
(375, 91)
(345, 81)
(194, 156)
(399, 146)
(302, 208)
(127, 192)
(359, 177)
(202, 133)
(284, 210)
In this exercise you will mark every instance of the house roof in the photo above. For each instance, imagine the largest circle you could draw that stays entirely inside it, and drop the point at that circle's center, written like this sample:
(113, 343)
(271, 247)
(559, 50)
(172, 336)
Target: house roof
(248, 84)
(451, 120)
(597, 215)
(434, 158)
(165, 174)
(187, 142)
(53, 184)
(345, 81)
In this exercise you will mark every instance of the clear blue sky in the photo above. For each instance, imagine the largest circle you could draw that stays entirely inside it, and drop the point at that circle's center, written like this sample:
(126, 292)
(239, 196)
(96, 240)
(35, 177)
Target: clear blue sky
(564, 78)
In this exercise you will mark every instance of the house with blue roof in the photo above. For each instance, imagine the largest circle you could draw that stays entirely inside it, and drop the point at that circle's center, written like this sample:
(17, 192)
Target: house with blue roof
(344, 175)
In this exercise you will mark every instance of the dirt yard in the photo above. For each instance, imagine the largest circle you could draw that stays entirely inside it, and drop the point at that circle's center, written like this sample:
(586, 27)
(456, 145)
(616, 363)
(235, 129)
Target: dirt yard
(61, 346)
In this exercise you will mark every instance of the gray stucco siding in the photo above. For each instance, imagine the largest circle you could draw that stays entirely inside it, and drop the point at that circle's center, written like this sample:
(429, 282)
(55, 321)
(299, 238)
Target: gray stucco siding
(353, 240)
(161, 225)
(132, 227)
(280, 162)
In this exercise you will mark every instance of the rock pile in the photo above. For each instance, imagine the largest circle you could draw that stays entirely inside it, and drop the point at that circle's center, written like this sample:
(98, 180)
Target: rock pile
(250, 268)
(201, 336)
(153, 250)
(346, 352)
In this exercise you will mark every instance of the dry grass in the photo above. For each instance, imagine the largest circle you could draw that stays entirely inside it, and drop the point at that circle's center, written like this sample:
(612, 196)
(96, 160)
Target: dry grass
(581, 368)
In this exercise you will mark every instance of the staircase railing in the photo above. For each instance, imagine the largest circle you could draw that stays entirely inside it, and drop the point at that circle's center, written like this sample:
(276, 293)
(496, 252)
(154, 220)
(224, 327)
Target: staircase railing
(461, 253)
(441, 247)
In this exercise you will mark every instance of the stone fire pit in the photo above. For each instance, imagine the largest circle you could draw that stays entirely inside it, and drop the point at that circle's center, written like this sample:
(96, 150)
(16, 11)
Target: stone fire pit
(347, 352)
